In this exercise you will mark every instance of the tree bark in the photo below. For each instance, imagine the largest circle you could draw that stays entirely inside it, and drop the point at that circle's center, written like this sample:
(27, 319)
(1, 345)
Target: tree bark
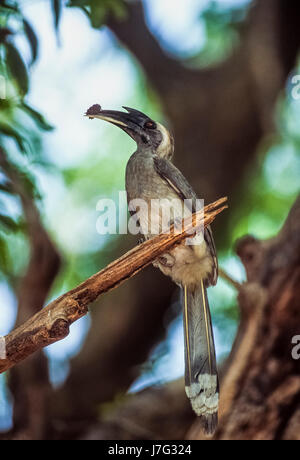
(260, 396)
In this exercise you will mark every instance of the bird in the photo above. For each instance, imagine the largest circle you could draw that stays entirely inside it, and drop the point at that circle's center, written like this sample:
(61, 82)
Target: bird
(151, 175)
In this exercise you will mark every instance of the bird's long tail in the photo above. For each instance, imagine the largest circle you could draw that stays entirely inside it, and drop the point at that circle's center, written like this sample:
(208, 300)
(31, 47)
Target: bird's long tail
(201, 378)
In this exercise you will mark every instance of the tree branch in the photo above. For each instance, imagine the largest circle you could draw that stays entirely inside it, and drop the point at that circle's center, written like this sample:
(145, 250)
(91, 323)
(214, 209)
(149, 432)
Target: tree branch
(52, 323)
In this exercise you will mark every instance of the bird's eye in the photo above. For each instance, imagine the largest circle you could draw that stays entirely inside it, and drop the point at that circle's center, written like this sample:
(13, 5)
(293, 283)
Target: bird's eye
(150, 125)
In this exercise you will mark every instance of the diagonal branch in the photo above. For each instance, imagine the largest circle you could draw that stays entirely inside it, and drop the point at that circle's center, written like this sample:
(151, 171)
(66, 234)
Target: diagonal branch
(52, 323)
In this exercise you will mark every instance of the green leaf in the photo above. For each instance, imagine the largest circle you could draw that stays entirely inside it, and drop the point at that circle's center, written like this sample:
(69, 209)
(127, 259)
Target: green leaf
(118, 8)
(32, 39)
(8, 223)
(6, 105)
(99, 13)
(24, 176)
(80, 3)
(17, 68)
(6, 6)
(97, 10)
(4, 258)
(37, 117)
(9, 131)
(30, 186)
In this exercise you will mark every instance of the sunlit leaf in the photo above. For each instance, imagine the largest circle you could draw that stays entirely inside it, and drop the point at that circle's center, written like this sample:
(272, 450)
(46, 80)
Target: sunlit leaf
(98, 13)
(17, 68)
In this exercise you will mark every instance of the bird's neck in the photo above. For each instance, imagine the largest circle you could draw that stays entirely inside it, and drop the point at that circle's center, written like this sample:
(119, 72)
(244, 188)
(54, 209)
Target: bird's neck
(166, 147)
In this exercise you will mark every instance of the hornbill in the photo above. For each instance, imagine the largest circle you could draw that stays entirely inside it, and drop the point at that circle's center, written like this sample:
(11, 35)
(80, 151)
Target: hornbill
(151, 175)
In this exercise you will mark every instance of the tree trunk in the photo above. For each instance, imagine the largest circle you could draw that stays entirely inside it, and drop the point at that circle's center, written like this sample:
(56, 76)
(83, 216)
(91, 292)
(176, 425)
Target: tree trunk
(260, 397)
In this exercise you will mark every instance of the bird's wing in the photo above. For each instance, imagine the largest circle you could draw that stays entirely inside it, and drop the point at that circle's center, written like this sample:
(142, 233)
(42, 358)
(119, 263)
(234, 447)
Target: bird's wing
(180, 185)
(175, 179)
(208, 235)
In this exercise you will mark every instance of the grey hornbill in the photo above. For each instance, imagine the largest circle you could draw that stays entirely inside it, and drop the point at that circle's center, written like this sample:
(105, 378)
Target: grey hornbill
(150, 174)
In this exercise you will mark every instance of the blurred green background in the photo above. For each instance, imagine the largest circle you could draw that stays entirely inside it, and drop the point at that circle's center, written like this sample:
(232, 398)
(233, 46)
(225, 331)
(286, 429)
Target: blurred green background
(56, 60)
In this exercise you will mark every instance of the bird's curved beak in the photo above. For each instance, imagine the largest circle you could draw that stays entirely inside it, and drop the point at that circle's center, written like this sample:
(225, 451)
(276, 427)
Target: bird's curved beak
(129, 122)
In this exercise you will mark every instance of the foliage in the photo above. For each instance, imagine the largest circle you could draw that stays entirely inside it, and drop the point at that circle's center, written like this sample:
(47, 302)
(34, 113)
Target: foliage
(98, 11)
(21, 125)
(223, 27)
(20, 130)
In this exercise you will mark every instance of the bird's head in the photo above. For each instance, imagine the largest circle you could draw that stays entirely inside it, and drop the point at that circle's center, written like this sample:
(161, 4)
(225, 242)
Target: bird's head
(145, 131)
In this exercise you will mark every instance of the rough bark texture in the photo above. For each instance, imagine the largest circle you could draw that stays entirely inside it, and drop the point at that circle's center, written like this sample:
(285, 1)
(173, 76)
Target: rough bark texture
(261, 389)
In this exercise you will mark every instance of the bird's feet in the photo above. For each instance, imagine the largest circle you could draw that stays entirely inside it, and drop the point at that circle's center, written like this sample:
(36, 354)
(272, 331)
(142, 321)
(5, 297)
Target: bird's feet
(166, 260)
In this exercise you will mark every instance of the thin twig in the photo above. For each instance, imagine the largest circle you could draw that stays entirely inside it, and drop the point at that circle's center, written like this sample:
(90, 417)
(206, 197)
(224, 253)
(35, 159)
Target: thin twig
(223, 274)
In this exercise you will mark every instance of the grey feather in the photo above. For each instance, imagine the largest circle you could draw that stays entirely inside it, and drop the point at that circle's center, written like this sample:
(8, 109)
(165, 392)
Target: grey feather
(175, 178)
(180, 185)
(201, 378)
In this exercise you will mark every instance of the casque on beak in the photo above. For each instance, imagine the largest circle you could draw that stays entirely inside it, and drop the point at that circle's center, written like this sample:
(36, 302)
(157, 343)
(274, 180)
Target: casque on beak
(130, 121)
